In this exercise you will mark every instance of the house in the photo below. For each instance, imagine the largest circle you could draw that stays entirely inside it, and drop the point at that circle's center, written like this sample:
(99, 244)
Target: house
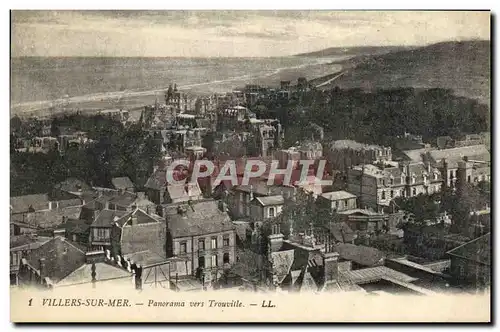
(45, 219)
(71, 186)
(160, 191)
(266, 207)
(449, 161)
(201, 233)
(471, 263)
(365, 220)
(377, 185)
(120, 200)
(343, 154)
(21, 246)
(314, 263)
(100, 229)
(360, 256)
(123, 183)
(60, 263)
(138, 231)
(338, 200)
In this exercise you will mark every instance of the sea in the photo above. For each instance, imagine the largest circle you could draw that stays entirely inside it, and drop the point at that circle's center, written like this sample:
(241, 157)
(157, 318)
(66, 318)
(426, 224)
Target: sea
(38, 82)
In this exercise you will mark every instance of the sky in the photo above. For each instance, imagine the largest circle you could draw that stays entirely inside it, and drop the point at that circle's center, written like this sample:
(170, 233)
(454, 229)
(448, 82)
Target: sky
(231, 33)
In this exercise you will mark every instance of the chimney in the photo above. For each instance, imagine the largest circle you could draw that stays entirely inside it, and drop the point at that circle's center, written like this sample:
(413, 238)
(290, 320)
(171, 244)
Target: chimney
(276, 238)
(41, 264)
(330, 261)
(97, 256)
(59, 232)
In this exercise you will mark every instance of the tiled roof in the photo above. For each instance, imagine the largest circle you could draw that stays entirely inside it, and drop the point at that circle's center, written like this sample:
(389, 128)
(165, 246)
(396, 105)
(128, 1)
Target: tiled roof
(373, 274)
(145, 258)
(477, 250)
(106, 218)
(178, 191)
(454, 155)
(282, 262)
(337, 195)
(48, 218)
(122, 183)
(366, 256)
(23, 203)
(270, 200)
(142, 218)
(199, 218)
(28, 240)
(61, 258)
(104, 271)
(76, 226)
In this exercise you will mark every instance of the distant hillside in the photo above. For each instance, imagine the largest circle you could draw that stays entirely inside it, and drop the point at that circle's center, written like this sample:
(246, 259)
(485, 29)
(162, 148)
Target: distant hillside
(461, 66)
(359, 50)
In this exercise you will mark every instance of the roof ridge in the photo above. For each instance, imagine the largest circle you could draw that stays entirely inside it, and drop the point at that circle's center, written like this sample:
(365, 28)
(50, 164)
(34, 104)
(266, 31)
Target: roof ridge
(471, 241)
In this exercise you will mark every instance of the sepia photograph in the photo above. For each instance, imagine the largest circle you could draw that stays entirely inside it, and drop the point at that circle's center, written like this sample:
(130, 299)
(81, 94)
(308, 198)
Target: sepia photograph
(266, 165)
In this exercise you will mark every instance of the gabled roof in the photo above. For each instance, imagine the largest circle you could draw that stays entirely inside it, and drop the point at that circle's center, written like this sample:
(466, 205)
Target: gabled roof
(48, 218)
(61, 258)
(177, 191)
(282, 262)
(106, 218)
(199, 218)
(142, 218)
(23, 203)
(104, 271)
(477, 250)
(122, 183)
(270, 200)
(27, 240)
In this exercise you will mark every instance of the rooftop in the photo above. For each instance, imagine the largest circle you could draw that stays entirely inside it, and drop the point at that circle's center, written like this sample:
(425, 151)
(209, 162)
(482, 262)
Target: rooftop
(337, 195)
(198, 218)
(61, 258)
(270, 200)
(122, 183)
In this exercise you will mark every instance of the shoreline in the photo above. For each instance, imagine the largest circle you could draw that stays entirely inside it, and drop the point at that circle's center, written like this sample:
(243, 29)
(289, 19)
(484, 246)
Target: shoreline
(136, 99)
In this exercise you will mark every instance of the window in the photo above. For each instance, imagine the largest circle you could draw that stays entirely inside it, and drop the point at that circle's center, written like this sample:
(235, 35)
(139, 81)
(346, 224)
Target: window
(435, 176)
(214, 260)
(201, 244)
(183, 247)
(414, 191)
(383, 194)
(201, 261)
(225, 242)
(391, 194)
(214, 243)
(271, 212)
(391, 181)
(413, 179)
(346, 203)
(225, 258)
(468, 178)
